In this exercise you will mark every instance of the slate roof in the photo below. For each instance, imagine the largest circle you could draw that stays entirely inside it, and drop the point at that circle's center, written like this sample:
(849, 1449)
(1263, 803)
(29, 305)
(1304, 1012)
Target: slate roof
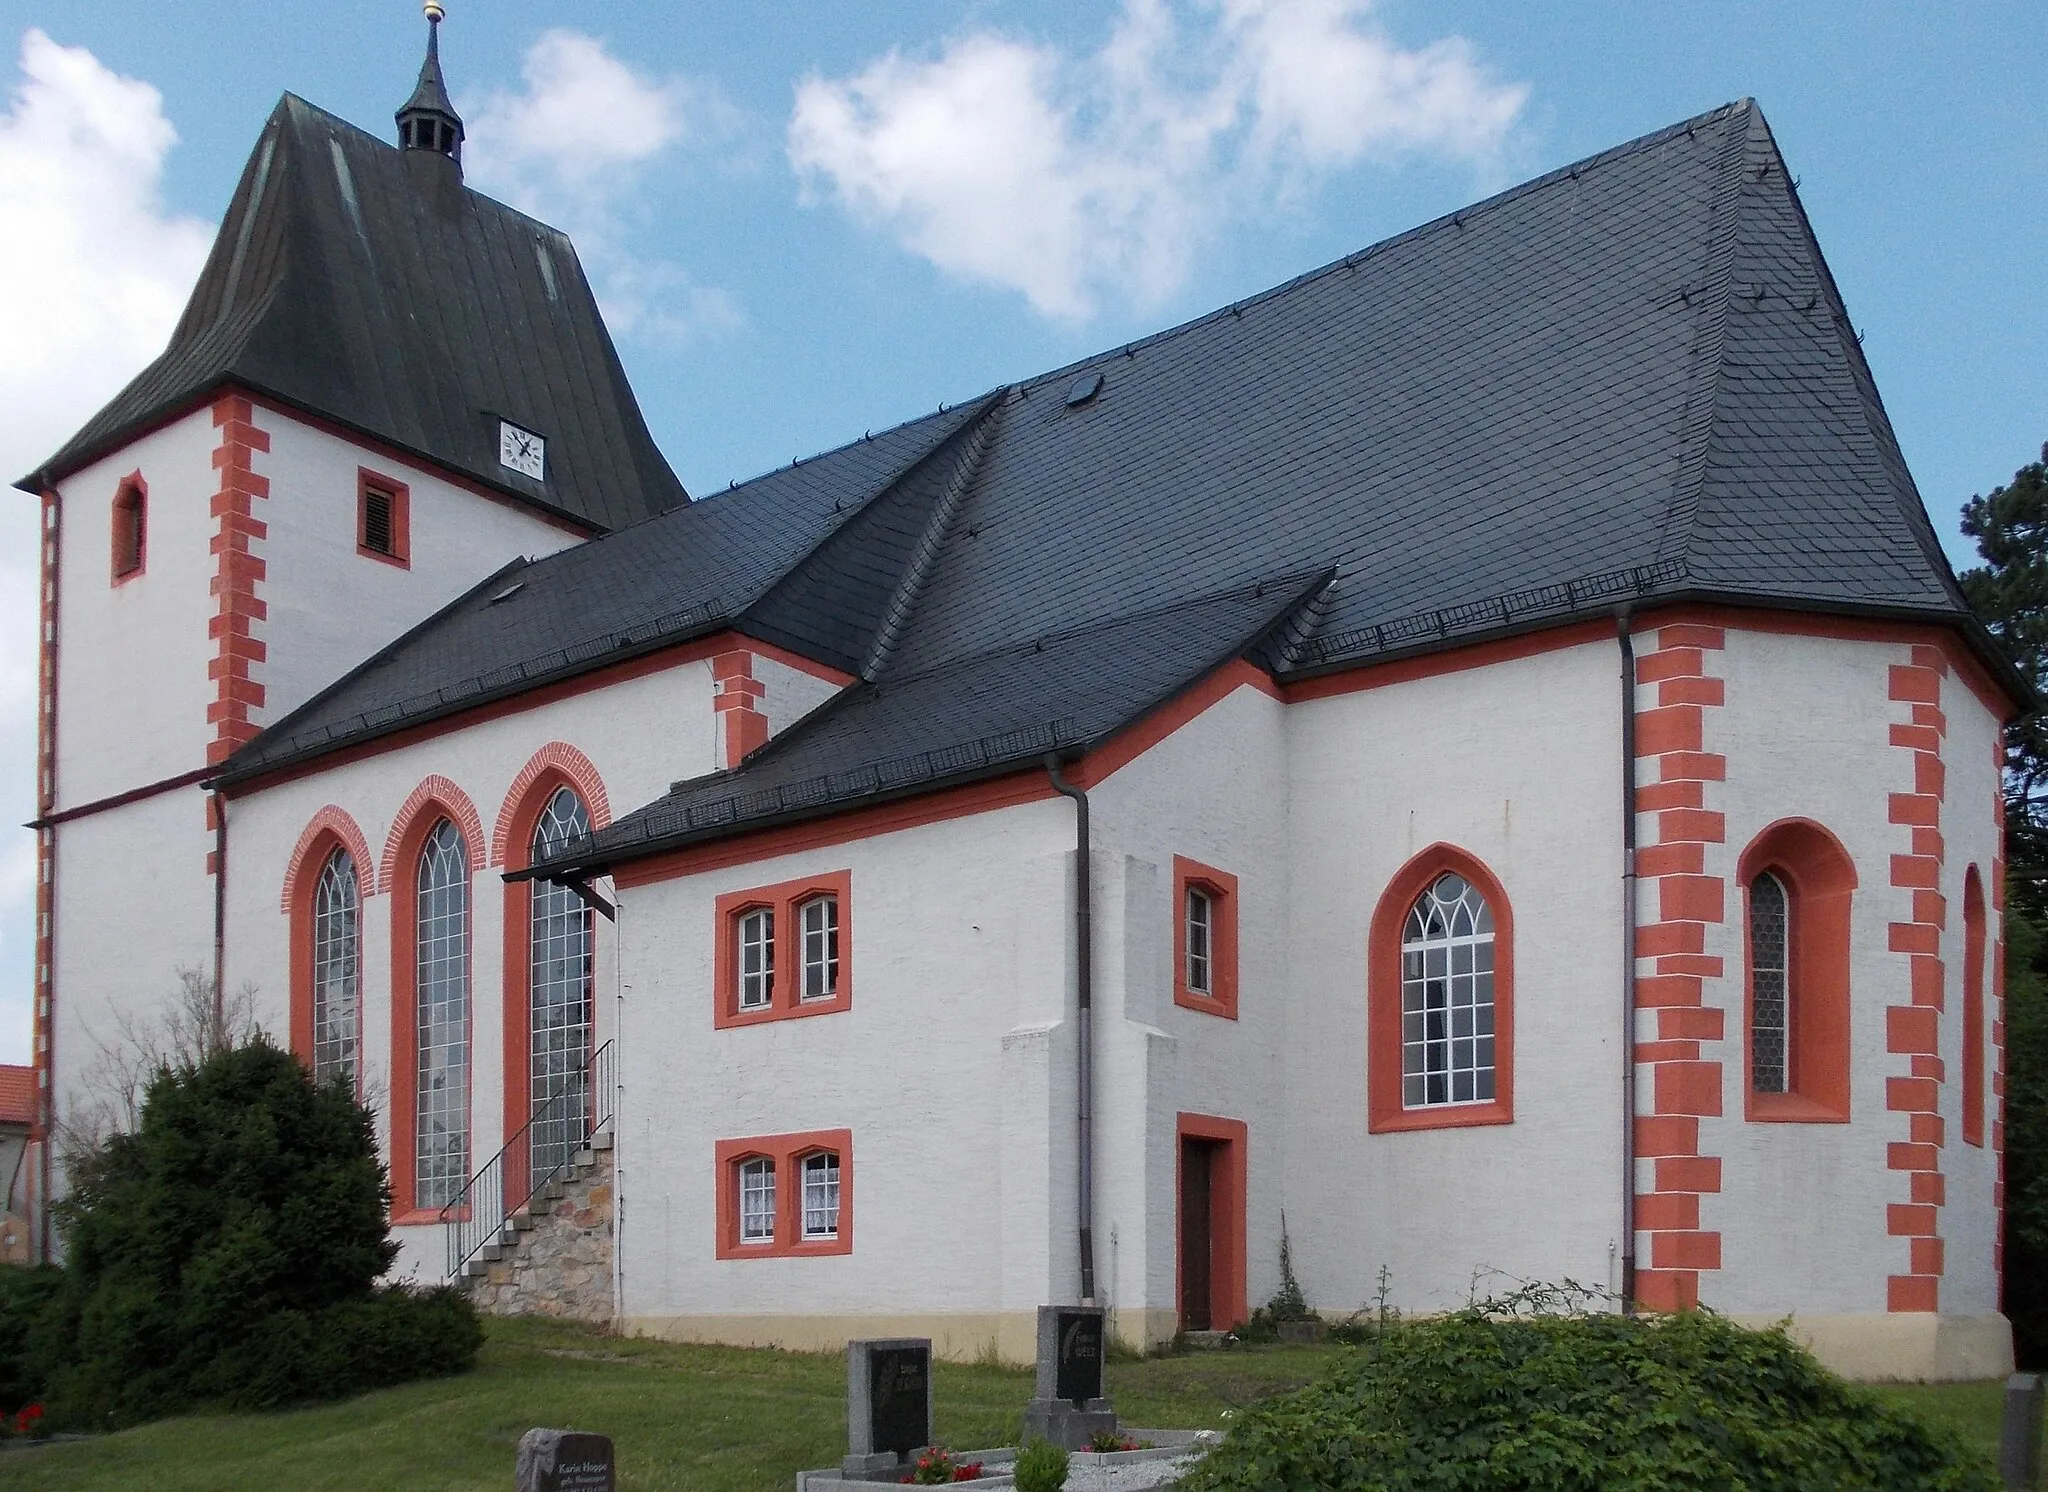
(368, 286)
(1629, 381)
(754, 551)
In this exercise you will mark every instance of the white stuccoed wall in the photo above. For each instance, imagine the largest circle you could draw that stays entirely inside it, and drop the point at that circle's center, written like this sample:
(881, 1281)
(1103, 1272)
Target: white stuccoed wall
(1801, 1212)
(135, 905)
(1214, 791)
(792, 693)
(628, 730)
(952, 1069)
(330, 607)
(132, 688)
(1518, 763)
(1969, 1222)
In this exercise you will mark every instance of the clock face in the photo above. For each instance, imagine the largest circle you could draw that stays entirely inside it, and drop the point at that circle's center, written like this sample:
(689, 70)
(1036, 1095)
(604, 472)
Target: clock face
(522, 451)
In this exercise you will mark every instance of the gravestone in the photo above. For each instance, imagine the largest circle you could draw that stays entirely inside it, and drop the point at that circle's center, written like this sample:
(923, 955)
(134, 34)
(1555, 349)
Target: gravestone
(2019, 1447)
(888, 1401)
(1068, 1406)
(565, 1461)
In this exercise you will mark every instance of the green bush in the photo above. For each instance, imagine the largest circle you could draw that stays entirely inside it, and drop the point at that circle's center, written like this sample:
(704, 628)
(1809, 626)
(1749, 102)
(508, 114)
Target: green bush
(227, 1253)
(1041, 1467)
(24, 1295)
(1482, 1400)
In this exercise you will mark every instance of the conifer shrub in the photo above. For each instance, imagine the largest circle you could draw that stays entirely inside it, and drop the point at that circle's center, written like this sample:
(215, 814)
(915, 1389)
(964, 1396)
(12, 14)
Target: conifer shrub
(24, 1295)
(1497, 1397)
(227, 1253)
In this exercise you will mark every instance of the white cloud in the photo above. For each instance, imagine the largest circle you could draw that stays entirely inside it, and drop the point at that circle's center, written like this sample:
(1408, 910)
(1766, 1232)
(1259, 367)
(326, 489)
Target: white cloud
(93, 273)
(572, 147)
(1072, 179)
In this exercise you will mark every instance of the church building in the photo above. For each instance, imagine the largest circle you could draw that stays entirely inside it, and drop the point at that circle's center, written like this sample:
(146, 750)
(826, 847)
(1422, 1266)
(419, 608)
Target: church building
(1472, 762)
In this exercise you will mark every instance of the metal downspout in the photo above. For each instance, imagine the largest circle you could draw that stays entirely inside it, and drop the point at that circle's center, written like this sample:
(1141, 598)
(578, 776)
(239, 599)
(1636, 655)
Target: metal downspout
(220, 915)
(1628, 961)
(1084, 1033)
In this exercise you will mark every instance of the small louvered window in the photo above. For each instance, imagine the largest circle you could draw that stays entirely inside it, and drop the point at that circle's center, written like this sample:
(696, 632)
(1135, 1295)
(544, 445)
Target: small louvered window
(131, 518)
(377, 533)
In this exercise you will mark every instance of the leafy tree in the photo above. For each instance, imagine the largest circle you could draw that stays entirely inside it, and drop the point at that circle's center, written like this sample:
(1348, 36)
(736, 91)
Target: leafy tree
(227, 1251)
(2026, 1136)
(2010, 595)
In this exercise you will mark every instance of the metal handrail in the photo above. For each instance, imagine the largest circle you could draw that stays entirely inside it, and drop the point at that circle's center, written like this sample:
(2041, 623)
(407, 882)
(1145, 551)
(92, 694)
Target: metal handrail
(498, 1192)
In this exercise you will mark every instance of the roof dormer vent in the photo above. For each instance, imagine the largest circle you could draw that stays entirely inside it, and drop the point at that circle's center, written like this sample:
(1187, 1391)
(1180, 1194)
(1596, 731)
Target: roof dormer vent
(428, 122)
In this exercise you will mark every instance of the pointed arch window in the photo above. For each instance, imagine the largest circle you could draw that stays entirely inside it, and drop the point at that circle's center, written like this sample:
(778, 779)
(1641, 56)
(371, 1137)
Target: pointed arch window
(560, 948)
(1797, 883)
(1770, 980)
(441, 1017)
(337, 969)
(1440, 996)
(1447, 1008)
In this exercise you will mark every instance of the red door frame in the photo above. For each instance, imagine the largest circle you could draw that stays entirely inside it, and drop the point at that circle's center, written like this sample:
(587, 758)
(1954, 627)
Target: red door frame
(1227, 1306)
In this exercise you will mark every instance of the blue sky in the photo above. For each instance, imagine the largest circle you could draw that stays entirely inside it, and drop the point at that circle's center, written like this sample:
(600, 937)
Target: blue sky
(808, 219)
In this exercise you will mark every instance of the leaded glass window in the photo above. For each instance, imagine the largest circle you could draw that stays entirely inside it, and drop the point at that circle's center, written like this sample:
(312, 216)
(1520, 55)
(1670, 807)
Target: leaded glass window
(337, 969)
(1770, 969)
(441, 1016)
(821, 1195)
(819, 920)
(1447, 1007)
(1200, 940)
(757, 958)
(757, 1200)
(559, 940)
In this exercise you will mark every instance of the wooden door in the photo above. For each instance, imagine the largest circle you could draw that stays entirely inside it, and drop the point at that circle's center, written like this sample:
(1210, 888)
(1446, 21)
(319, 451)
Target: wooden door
(1197, 1234)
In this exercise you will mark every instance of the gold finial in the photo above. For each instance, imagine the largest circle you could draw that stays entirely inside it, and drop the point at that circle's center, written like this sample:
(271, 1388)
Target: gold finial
(434, 12)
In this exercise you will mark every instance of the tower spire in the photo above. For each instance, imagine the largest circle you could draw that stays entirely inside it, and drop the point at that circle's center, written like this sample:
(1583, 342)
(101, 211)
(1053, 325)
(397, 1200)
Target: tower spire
(428, 121)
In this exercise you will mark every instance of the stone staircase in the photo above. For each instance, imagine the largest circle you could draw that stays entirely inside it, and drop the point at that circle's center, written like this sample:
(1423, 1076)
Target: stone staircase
(554, 1258)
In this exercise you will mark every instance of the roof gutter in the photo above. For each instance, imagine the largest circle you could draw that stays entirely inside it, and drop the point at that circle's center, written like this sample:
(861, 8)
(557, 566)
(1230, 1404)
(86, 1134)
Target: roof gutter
(1084, 1022)
(1976, 636)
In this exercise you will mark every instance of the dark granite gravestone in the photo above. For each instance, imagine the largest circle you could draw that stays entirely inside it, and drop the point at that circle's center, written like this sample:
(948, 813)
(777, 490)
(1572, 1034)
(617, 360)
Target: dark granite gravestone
(888, 1401)
(565, 1461)
(1077, 1369)
(1068, 1406)
(2019, 1446)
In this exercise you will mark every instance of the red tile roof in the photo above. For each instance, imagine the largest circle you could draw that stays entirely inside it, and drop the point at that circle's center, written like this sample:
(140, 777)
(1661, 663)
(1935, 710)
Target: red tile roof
(17, 1095)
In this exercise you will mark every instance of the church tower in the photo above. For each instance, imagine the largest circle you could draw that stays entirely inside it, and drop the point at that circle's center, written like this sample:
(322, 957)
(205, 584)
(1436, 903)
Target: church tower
(384, 388)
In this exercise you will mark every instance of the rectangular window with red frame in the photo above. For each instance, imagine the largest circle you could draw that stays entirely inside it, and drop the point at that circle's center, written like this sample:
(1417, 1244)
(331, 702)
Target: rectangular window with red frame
(383, 519)
(783, 951)
(1205, 938)
(785, 1196)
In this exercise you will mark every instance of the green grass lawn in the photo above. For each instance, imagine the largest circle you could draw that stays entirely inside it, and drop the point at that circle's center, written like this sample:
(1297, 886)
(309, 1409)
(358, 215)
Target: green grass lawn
(702, 1418)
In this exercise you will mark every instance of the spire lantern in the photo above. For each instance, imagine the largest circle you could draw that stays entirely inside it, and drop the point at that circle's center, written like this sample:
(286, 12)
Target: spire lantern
(428, 121)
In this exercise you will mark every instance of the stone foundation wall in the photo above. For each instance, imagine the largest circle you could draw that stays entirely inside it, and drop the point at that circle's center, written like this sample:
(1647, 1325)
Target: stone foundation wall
(562, 1266)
